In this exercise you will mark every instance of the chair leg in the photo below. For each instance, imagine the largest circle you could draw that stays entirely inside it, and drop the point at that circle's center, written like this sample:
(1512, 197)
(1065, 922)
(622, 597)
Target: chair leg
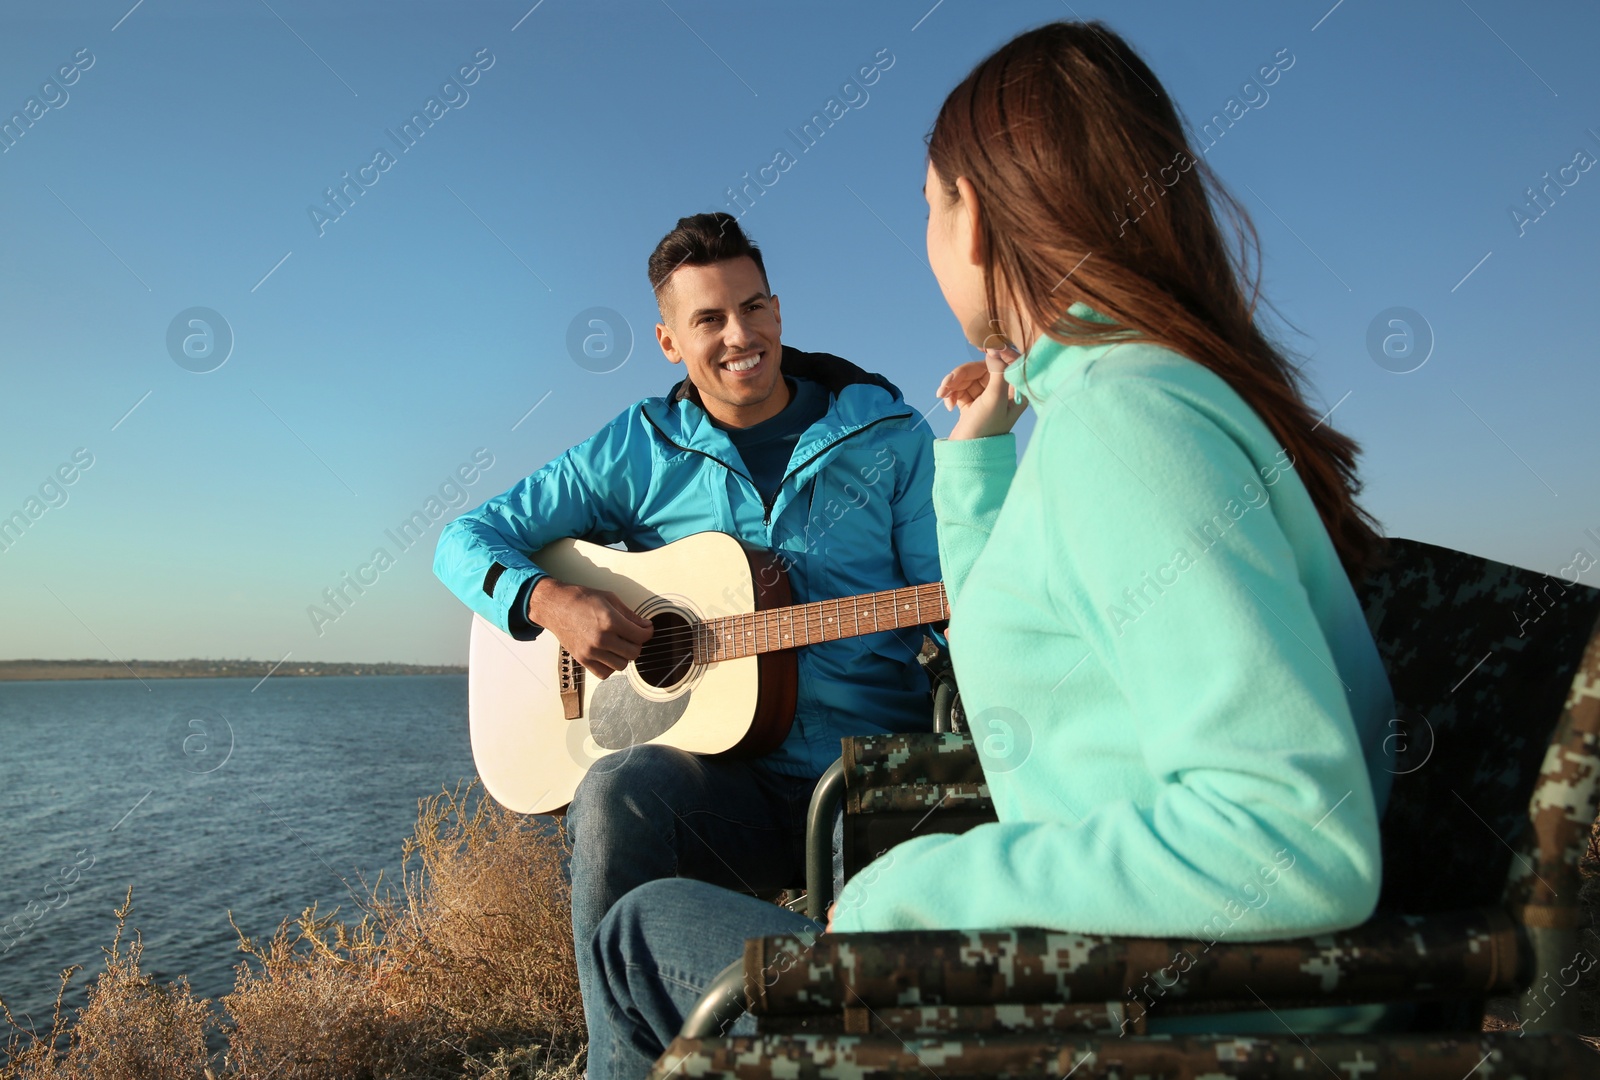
(825, 802)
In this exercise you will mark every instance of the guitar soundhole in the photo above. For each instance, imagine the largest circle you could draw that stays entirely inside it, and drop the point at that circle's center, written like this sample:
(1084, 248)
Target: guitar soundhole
(666, 659)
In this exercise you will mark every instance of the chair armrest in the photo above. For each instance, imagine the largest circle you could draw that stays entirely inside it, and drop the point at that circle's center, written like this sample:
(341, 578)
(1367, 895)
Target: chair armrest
(894, 783)
(1475, 953)
(723, 1002)
(825, 800)
(921, 757)
(920, 799)
(1414, 1057)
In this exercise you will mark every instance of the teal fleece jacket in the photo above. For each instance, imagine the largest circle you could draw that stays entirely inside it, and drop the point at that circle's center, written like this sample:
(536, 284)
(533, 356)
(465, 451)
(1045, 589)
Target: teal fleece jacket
(1176, 699)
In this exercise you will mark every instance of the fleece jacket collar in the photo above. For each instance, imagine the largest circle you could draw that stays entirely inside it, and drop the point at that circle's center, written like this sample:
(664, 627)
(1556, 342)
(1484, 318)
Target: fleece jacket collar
(1048, 363)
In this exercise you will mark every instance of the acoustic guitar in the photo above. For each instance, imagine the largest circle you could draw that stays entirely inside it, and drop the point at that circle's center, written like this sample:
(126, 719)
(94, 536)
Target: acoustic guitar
(718, 676)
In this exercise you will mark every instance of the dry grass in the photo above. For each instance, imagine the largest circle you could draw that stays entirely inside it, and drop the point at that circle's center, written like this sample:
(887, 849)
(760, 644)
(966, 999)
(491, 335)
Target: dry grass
(470, 962)
(466, 970)
(131, 1028)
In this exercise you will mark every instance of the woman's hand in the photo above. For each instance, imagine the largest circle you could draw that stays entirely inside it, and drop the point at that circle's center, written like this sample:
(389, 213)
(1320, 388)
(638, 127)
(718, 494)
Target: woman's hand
(989, 404)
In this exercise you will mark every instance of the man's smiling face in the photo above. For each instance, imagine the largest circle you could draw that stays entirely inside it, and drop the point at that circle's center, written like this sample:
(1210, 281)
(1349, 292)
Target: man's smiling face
(724, 326)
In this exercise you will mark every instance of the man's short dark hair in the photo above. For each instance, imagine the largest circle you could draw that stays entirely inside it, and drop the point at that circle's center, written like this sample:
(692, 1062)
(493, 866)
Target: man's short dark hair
(701, 240)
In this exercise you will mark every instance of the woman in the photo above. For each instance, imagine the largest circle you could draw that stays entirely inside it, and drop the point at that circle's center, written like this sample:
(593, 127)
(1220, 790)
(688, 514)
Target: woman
(1177, 702)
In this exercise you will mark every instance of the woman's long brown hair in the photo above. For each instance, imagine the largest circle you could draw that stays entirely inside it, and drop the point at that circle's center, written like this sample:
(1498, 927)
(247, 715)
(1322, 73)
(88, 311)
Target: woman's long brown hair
(1070, 143)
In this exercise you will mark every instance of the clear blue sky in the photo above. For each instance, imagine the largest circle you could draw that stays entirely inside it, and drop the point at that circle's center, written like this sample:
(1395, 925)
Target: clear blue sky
(371, 360)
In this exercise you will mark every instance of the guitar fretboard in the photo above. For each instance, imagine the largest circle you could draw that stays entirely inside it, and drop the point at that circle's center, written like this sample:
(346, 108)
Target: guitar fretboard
(733, 636)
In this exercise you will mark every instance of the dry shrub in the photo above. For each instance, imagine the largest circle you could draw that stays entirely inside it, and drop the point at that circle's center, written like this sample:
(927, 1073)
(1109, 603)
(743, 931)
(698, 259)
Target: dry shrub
(469, 968)
(467, 971)
(131, 1027)
(307, 1011)
(35, 1057)
(485, 933)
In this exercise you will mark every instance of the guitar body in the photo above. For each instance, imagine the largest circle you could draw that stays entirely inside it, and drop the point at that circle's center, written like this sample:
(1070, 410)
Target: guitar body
(540, 722)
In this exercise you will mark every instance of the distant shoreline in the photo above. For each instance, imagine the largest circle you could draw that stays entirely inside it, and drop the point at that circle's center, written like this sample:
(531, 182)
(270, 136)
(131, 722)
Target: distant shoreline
(45, 670)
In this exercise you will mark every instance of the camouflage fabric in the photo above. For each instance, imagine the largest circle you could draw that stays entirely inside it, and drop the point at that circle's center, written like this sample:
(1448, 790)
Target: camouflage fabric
(868, 835)
(1482, 658)
(1497, 1055)
(1496, 673)
(1097, 1017)
(1101, 1017)
(1543, 886)
(916, 758)
(920, 798)
(897, 786)
(1468, 953)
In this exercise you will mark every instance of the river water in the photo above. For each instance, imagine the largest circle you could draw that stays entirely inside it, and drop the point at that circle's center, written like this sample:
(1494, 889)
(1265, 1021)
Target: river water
(206, 796)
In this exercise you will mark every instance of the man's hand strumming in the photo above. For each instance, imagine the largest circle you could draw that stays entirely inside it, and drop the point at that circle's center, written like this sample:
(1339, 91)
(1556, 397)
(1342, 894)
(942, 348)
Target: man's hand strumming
(598, 629)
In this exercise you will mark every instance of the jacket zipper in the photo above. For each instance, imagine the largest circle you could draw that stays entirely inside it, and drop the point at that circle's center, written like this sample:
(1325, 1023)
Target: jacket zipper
(766, 504)
(766, 518)
(691, 450)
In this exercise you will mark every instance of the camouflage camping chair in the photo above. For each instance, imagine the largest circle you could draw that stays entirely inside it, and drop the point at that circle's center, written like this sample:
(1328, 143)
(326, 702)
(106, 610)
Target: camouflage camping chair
(1496, 755)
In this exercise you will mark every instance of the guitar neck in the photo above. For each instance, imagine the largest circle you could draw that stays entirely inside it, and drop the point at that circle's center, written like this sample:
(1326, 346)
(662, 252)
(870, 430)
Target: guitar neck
(733, 636)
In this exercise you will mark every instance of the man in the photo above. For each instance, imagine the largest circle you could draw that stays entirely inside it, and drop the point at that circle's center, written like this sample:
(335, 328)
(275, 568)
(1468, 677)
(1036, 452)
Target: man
(802, 453)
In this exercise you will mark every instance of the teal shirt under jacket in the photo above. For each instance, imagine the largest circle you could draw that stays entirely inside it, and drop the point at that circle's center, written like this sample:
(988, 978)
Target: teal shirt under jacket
(854, 514)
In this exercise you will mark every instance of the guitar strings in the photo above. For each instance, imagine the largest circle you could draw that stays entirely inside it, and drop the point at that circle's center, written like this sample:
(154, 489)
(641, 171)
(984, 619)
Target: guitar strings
(675, 635)
(775, 613)
(855, 609)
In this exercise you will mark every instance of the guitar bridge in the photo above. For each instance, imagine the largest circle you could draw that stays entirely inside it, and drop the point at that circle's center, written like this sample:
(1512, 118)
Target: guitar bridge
(571, 683)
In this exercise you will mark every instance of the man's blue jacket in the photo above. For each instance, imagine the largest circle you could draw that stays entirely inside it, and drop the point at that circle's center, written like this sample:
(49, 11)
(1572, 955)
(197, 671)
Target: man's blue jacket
(854, 514)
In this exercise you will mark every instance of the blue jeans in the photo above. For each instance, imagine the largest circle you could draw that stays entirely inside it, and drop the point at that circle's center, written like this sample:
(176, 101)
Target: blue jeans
(652, 959)
(656, 812)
